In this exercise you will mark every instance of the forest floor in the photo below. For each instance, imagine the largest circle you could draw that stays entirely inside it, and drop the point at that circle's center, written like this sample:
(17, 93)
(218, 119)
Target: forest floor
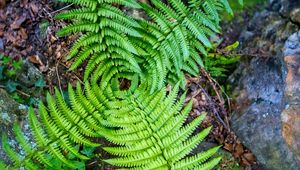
(27, 32)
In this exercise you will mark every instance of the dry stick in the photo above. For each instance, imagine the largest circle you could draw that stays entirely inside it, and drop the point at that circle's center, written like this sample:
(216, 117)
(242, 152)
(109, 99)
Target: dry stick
(63, 8)
(214, 109)
(19, 91)
(59, 83)
(74, 73)
(215, 83)
(211, 80)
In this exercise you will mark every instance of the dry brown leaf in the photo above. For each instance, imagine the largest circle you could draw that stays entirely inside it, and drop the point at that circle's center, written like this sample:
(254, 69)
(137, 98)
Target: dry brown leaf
(18, 21)
(239, 149)
(228, 147)
(34, 8)
(2, 4)
(249, 156)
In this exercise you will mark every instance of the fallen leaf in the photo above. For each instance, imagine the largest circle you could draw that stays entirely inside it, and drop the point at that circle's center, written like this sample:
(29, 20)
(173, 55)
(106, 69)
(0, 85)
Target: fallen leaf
(2, 26)
(2, 4)
(250, 157)
(34, 8)
(23, 33)
(18, 21)
(228, 147)
(35, 59)
(239, 149)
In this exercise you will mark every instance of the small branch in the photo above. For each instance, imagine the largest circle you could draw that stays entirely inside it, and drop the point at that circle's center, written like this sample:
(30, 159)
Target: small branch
(61, 9)
(58, 78)
(19, 91)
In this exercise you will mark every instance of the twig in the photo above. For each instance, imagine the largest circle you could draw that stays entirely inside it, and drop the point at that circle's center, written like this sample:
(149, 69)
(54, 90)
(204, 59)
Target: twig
(23, 93)
(73, 74)
(221, 100)
(59, 83)
(214, 109)
(19, 91)
(63, 8)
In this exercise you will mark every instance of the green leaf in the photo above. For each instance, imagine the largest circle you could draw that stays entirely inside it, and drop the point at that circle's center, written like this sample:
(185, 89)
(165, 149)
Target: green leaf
(10, 72)
(88, 151)
(17, 64)
(11, 86)
(79, 165)
(6, 60)
(232, 46)
(40, 83)
(241, 2)
(1, 72)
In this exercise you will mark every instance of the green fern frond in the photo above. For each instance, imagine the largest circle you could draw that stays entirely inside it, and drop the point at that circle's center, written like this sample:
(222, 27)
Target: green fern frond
(152, 134)
(60, 129)
(154, 48)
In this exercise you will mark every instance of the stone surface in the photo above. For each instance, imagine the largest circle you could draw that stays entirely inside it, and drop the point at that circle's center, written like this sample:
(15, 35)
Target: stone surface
(12, 112)
(28, 75)
(267, 117)
(295, 16)
(291, 114)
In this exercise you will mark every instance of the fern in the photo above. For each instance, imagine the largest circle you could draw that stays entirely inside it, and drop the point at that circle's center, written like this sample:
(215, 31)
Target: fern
(105, 39)
(159, 51)
(149, 128)
(173, 30)
(146, 125)
(60, 129)
(151, 133)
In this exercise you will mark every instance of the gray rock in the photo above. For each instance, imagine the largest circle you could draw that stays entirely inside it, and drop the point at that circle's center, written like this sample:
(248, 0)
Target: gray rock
(295, 16)
(262, 90)
(1, 44)
(12, 112)
(28, 75)
(292, 45)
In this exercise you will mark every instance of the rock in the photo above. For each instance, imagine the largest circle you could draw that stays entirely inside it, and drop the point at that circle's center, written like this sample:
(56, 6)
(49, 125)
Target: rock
(267, 116)
(291, 114)
(12, 112)
(1, 45)
(28, 75)
(295, 16)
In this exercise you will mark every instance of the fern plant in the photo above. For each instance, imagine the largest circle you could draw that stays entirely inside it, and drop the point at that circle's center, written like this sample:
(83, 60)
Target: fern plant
(179, 35)
(60, 129)
(158, 51)
(149, 132)
(146, 125)
(105, 40)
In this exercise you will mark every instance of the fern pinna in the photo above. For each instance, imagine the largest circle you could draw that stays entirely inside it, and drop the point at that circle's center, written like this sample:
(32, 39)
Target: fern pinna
(158, 50)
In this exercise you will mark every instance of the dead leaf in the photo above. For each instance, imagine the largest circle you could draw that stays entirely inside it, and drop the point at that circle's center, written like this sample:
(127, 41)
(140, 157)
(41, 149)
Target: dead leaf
(228, 147)
(18, 22)
(2, 4)
(239, 149)
(34, 8)
(2, 26)
(250, 157)
(23, 33)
